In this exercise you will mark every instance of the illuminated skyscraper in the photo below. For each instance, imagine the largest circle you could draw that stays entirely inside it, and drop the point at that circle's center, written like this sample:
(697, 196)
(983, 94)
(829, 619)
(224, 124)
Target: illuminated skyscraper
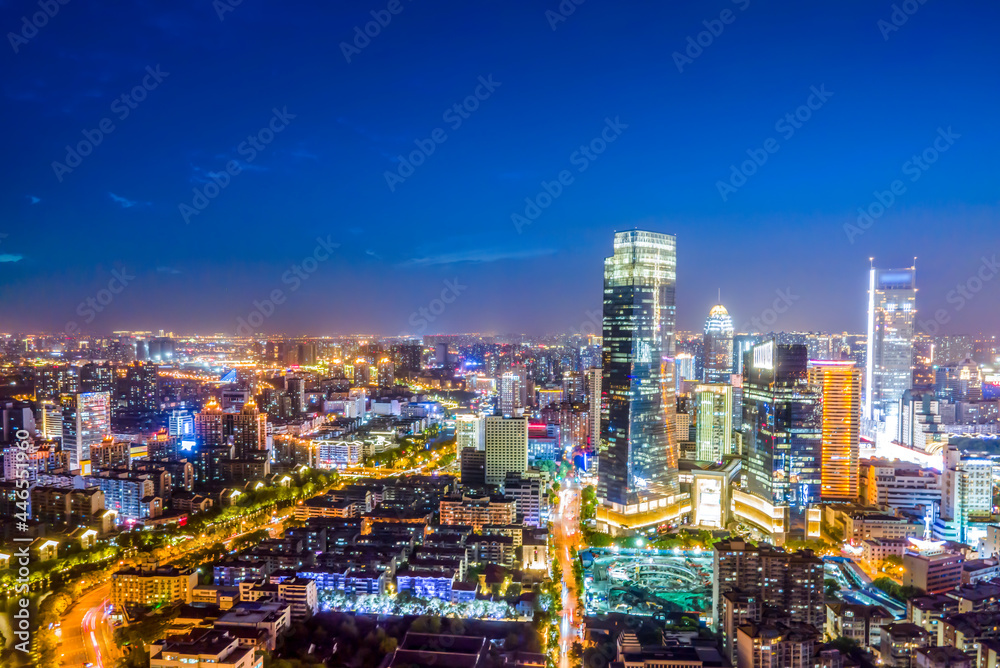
(840, 386)
(892, 310)
(718, 345)
(714, 434)
(386, 372)
(594, 407)
(638, 403)
(86, 421)
(513, 391)
(782, 440)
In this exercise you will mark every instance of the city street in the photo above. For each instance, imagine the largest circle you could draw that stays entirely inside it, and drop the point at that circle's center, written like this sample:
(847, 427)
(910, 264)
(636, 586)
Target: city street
(87, 635)
(565, 522)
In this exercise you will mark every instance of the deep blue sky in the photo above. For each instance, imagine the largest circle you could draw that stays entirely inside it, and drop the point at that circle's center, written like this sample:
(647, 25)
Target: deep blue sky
(324, 174)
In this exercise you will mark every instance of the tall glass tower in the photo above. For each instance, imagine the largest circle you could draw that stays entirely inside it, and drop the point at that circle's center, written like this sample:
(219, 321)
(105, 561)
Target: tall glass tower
(892, 312)
(718, 345)
(782, 433)
(638, 450)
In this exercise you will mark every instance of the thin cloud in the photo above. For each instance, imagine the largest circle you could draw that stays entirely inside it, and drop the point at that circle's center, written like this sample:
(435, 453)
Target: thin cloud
(477, 256)
(33, 199)
(5, 257)
(168, 270)
(202, 175)
(125, 202)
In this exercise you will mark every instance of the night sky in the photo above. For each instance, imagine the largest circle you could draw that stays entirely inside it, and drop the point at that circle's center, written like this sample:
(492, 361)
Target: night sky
(671, 116)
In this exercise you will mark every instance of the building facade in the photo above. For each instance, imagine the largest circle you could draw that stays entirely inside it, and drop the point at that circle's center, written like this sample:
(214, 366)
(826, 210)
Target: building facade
(639, 454)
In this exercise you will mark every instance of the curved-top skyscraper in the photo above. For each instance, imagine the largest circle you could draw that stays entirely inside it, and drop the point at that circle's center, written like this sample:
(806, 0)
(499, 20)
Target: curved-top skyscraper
(639, 453)
(718, 345)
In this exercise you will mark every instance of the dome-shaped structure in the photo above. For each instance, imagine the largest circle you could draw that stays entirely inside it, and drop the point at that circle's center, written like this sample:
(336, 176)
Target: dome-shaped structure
(719, 321)
(718, 310)
(718, 350)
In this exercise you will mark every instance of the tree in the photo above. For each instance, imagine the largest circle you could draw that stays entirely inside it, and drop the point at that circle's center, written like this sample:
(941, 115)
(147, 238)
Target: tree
(832, 587)
(894, 589)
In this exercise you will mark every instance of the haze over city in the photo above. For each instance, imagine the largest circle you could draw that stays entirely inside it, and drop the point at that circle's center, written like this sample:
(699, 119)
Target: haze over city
(352, 115)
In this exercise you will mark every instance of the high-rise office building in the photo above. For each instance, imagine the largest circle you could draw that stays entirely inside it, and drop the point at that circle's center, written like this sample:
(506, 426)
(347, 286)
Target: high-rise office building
(52, 380)
(296, 388)
(86, 421)
(638, 396)
(513, 391)
(306, 354)
(573, 386)
(839, 383)
(248, 431)
(966, 498)
(718, 346)
(386, 373)
(782, 438)
(714, 432)
(138, 390)
(50, 419)
(506, 447)
(790, 581)
(594, 407)
(208, 429)
(97, 378)
(891, 316)
(470, 432)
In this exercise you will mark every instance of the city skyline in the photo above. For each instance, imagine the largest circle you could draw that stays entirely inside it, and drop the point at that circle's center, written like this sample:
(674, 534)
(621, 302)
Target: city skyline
(559, 334)
(322, 177)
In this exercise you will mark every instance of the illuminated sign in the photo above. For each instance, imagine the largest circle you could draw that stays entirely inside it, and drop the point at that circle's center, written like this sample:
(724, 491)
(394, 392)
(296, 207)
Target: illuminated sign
(763, 356)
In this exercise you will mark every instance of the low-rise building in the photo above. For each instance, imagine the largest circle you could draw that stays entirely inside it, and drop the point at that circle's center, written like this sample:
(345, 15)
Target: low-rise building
(212, 647)
(900, 642)
(860, 623)
(874, 550)
(477, 511)
(429, 649)
(274, 617)
(776, 645)
(979, 570)
(151, 585)
(931, 567)
(430, 583)
(941, 657)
